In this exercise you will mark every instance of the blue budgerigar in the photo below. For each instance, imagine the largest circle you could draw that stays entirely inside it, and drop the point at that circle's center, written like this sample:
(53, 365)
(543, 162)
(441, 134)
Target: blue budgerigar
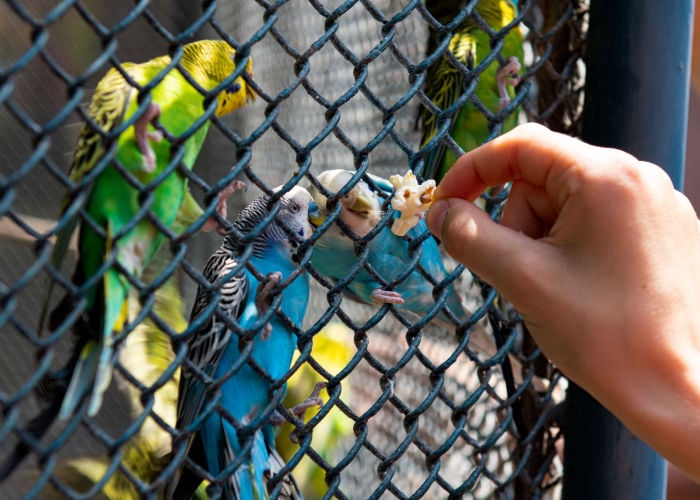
(255, 292)
(388, 256)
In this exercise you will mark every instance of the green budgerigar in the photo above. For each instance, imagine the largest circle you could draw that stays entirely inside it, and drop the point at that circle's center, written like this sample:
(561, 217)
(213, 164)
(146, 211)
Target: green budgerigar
(449, 79)
(147, 123)
(117, 234)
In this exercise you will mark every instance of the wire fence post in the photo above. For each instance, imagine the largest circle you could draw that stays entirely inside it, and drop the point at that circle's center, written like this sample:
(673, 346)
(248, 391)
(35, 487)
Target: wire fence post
(637, 90)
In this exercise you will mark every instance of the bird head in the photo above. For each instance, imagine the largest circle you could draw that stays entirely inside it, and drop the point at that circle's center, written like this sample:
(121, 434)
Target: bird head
(210, 62)
(295, 212)
(361, 207)
(237, 94)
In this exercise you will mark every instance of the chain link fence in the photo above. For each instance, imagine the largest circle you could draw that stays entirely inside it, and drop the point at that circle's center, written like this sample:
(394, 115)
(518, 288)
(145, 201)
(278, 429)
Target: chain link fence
(411, 409)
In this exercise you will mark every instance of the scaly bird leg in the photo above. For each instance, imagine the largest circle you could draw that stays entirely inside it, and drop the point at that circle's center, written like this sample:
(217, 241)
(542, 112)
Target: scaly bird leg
(381, 297)
(299, 410)
(262, 297)
(143, 136)
(314, 399)
(222, 208)
(505, 76)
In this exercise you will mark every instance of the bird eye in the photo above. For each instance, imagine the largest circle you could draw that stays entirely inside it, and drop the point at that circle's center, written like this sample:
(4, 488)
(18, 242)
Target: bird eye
(233, 88)
(294, 208)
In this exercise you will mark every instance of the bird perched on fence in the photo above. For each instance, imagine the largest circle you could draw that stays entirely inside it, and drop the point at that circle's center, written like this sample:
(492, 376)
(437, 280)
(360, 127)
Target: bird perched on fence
(467, 67)
(241, 335)
(126, 174)
(408, 268)
(146, 123)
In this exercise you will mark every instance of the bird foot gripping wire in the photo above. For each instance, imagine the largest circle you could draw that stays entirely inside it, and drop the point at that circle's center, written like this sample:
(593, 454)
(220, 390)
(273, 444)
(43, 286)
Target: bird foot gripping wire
(262, 299)
(314, 399)
(144, 136)
(507, 76)
(222, 207)
(382, 297)
(299, 410)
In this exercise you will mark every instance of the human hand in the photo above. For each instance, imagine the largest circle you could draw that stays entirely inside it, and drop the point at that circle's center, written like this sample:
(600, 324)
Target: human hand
(601, 256)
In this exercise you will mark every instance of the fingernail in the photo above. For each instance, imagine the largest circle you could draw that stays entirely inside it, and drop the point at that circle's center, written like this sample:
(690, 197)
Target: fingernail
(436, 215)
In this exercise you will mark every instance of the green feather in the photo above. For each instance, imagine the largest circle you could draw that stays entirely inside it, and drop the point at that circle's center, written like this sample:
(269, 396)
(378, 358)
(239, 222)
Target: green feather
(446, 82)
(147, 354)
(115, 239)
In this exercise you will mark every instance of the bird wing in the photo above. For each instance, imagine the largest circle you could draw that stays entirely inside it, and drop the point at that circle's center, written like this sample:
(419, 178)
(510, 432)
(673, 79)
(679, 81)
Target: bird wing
(105, 112)
(205, 346)
(444, 84)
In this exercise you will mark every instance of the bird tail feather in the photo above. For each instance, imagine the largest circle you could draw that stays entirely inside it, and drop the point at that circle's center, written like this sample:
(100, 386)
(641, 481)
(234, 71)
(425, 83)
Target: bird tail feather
(259, 458)
(81, 379)
(93, 371)
(248, 480)
(116, 315)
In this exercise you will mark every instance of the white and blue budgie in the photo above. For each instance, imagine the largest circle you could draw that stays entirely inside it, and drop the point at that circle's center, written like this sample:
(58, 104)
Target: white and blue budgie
(242, 336)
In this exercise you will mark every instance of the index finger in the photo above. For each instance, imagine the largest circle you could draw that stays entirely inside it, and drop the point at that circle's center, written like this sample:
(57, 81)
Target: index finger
(530, 153)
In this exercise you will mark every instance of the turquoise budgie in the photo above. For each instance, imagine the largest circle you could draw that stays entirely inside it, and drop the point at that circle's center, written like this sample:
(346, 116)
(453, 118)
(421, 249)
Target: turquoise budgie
(242, 335)
(388, 255)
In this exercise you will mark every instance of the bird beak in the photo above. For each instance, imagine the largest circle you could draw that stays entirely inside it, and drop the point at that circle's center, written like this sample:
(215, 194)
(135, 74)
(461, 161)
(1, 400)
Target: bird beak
(363, 205)
(249, 93)
(315, 217)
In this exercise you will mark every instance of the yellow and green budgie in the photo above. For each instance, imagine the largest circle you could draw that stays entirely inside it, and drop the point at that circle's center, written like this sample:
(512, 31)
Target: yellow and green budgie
(126, 195)
(146, 124)
(446, 82)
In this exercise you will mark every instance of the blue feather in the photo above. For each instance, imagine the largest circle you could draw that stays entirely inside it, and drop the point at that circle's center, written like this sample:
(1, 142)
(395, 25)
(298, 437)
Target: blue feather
(400, 263)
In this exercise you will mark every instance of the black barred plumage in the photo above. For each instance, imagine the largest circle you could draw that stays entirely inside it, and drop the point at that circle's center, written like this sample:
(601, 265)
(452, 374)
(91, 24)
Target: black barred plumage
(206, 345)
(254, 213)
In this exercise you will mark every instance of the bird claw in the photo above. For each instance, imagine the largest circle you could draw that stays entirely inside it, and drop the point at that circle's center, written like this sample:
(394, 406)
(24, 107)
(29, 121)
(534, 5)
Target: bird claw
(299, 410)
(381, 297)
(262, 297)
(276, 418)
(314, 399)
(155, 135)
(222, 207)
(507, 76)
(143, 136)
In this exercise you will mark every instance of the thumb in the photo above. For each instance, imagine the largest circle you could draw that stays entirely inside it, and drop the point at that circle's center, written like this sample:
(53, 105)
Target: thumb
(507, 259)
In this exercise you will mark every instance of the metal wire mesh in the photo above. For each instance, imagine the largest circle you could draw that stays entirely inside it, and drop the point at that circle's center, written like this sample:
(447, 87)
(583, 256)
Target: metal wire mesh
(418, 411)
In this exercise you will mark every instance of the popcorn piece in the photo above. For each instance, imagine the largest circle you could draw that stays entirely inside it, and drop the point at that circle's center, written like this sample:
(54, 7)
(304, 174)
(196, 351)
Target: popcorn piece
(411, 200)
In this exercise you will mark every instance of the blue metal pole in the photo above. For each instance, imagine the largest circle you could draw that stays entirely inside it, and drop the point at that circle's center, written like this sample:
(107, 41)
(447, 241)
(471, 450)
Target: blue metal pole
(638, 79)
(637, 90)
